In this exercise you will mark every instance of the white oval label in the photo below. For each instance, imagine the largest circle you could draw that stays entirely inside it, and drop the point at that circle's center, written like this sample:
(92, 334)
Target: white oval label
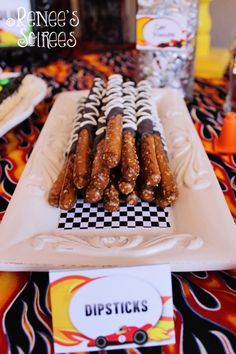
(162, 31)
(106, 304)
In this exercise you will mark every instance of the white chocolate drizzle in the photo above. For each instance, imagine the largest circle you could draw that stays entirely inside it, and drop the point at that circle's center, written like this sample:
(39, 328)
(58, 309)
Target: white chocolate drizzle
(93, 103)
(143, 102)
(129, 113)
(102, 129)
(114, 94)
(157, 127)
(76, 123)
(83, 118)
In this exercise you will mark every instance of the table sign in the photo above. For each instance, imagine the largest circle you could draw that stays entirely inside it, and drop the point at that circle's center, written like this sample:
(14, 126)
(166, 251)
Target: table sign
(161, 32)
(111, 308)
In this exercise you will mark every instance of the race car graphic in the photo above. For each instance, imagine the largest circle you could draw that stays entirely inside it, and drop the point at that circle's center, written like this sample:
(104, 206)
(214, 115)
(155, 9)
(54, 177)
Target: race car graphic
(126, 334)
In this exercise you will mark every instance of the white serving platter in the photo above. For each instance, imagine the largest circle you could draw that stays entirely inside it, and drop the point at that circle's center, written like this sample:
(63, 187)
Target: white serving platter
(36, 93)
(202, 235)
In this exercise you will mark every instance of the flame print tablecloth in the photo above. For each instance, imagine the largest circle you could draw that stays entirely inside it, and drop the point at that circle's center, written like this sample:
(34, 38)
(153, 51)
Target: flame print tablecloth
(204, 302)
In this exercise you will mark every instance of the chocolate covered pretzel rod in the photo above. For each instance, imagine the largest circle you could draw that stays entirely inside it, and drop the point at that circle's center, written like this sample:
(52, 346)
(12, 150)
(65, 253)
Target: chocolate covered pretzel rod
(113, 101)
(129, 158)
(63, 192)
(167, 191)
(82, 165)
(150, 172)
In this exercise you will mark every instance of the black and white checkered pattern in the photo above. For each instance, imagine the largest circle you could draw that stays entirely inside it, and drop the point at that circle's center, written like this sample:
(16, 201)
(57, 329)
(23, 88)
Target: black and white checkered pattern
(94, 216)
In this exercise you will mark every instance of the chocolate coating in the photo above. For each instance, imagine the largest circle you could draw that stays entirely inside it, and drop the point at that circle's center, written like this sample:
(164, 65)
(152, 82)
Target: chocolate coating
(11, 88)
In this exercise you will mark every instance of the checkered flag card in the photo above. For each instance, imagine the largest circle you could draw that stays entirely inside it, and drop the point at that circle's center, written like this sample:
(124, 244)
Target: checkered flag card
(94, 216)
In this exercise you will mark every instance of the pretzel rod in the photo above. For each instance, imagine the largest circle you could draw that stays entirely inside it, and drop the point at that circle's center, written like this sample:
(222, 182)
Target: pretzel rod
(129, 158)
(113, 101)
(93, 194)
(126, 187)
(133, 197)
(100, 172)
(113, 141)
(82, 159)
(100, 176)
(82, 166)
(111, 197)
(68, 194)
(149, 166)
(147, 193)
(167, 192)
(55, 191)
(168, 184)
(164, 201)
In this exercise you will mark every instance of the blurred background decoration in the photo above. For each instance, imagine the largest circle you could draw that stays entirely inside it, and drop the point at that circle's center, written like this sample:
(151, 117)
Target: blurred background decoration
(210, 61)
(105, 24)
(230, 103)
(166, 40)
(110, 25)
(221, 14)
